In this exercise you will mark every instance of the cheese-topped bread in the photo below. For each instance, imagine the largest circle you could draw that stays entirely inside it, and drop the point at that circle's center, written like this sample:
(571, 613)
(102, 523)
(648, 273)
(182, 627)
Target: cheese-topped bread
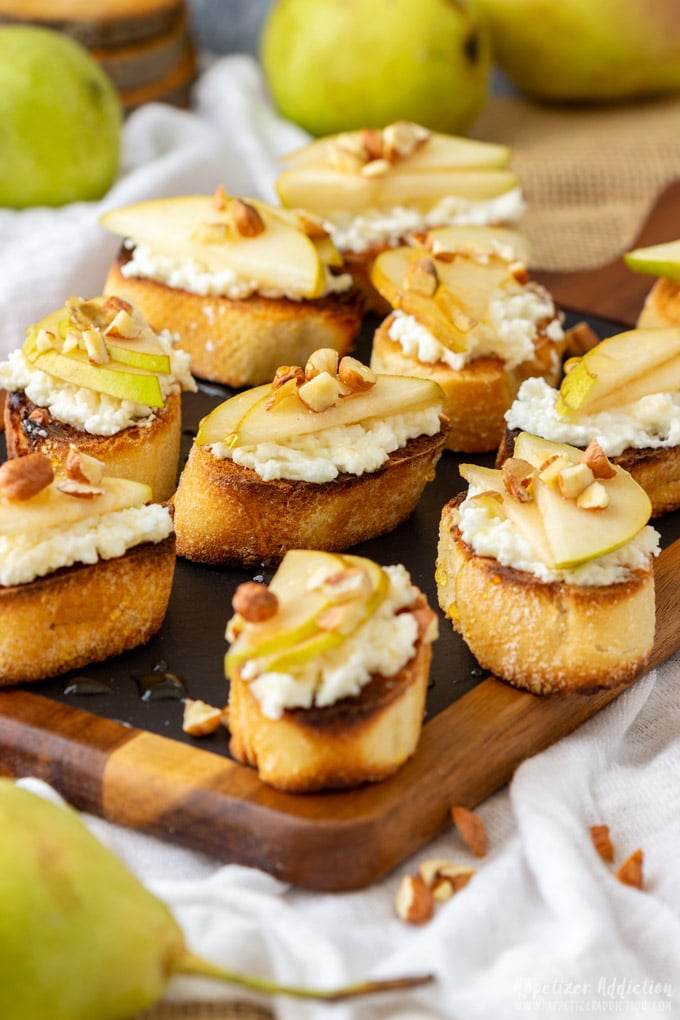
(545, 569)
(328, 671)
(323, 457)
(86, 566)
(95, 375)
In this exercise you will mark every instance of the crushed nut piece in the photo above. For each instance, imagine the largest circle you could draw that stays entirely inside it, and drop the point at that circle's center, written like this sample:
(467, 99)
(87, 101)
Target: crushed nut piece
(79, 490)
(321, 392)
(574, 479)
(356, 376)
(200, 719)
(212, 233)
(246, 218)
(471, 829)
(285, 372)
(312, 226)
(220, 198)
(24, 477)
(376, 168)
(421, 277)
(414, 901)
(372, 142)
(597, 460)
(123, 325)
(255, 602)
(602, 842)
(80, 467)
(402, 139)
(44, 340)
(325, 359)
(630, 872)
(593, 497)
(518, 476)
(95, 347)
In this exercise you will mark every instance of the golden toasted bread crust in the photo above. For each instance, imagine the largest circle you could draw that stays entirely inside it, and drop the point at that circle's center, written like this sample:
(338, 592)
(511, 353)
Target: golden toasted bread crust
(142, 453)
(477, 396)
(657, 471)
(85, 613)
(357, 740)
(225, 513)
(545, 638)
(242, 343)
(662, 306)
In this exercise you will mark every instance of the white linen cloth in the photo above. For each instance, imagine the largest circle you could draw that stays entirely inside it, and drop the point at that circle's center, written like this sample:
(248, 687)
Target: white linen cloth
(543, 928)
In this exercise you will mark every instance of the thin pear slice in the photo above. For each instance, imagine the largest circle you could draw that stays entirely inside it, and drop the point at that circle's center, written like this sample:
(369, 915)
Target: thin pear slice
(576, 536)
(221, 423)
(143, 352)
(621, 369)
(114, 379)
(524, 516)
(391, 395)
(281, 257)
(299, 606)
(656, 260)
(50, 507)
(325, 191)
(439, 152)
(536, 450)
(479, 240)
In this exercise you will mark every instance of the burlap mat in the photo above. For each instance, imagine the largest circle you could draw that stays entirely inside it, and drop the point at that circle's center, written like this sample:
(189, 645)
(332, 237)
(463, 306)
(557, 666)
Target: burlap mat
(590, 178)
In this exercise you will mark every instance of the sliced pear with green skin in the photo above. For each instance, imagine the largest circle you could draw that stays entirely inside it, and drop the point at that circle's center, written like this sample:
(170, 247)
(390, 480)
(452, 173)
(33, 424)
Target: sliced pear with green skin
(439, 152)
(656, 260)
(281, 257)
(299, 606)
(524, 516)
(295, 634)
(480, 240)
(620, 370)
(391, 395)
(124, 382)
(51, 508)
(221, 424)
(143, 352)
(576, 536)
(327, 192)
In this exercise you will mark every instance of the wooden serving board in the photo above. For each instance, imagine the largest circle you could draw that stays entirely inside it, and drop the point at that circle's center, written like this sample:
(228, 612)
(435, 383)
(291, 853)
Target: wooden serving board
(125, 758)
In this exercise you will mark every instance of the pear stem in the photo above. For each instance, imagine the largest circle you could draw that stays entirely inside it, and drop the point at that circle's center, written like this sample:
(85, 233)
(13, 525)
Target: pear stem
(190, 963)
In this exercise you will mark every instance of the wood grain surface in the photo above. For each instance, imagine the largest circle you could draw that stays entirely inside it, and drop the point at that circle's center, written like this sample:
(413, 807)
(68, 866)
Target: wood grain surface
(332, 841)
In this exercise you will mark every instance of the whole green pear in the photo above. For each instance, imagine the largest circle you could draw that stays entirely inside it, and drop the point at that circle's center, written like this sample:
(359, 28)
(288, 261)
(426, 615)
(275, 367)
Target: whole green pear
(586, 50)
(340, 65)
(81, 938)
(60, 120)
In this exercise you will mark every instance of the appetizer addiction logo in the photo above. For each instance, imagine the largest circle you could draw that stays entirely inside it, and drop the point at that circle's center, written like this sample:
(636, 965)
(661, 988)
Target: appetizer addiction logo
(608, 995)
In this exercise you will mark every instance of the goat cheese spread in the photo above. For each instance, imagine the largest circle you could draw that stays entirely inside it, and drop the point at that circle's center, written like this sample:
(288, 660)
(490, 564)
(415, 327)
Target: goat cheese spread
(376, 227)
(509, 333)
(186, 274)
(382, 645)
(497, 537)
(96, 413)
(25, 557)
(652, 422)
(322, 456)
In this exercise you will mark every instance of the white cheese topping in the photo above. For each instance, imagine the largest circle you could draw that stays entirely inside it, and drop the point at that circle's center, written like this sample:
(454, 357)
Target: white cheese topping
(25, 557)
(376, 227)
(322, 456)
(509, 333)
(96, 413)
(497, 537)
(653, 422)
(381, 646)
(186, 274)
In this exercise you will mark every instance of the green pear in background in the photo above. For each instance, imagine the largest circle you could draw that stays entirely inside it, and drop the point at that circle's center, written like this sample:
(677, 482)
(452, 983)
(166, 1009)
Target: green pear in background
(586, 49)
(340, 65)
(81, 938)
(60, 120)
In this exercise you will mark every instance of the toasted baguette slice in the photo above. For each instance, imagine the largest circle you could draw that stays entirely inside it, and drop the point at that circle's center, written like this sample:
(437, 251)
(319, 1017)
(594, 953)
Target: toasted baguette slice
(225, 513)
(357, 740)
(84, 613)
(476, 396)
(544, 638)
(656, 470)
(241, 343)
(662, 306)
(143, 453)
